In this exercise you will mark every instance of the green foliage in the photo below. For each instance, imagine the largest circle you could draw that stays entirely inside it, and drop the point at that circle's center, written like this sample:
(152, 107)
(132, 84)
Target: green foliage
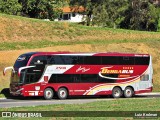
(11, 7)
(42, 9)
(144, 15)
(129, 14)
(109, 13)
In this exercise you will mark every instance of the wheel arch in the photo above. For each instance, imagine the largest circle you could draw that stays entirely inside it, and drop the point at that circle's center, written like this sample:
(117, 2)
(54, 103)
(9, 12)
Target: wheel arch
(49, 87)
(118, 87)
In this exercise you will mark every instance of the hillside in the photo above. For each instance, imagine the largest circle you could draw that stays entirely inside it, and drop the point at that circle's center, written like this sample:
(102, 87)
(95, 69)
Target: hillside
(19, 35)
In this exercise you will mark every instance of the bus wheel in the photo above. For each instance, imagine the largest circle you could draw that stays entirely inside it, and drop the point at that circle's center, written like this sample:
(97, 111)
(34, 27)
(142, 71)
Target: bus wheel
(62, 93)
(128, 92)
(116, 92)
(48, 93)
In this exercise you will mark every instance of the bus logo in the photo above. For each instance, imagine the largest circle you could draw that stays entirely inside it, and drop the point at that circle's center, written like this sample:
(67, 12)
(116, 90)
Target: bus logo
(83, 69)
(105, 70)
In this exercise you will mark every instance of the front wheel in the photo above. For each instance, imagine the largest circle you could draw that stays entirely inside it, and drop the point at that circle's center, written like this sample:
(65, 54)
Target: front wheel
(128, 92)
(116, 92)
(62, 93)
(48, 93)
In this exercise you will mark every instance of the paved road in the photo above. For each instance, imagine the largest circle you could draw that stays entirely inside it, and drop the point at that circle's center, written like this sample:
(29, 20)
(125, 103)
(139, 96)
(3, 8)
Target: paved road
(18, 102)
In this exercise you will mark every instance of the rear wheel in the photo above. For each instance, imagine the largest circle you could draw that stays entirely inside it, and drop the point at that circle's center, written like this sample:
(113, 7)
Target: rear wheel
(128, 92)
(116, 92)
(48, 93)
(62, 93)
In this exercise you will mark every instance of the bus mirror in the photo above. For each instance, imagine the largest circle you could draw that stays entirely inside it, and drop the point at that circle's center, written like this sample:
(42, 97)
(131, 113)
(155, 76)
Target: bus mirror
(7, 68)
(22, 68)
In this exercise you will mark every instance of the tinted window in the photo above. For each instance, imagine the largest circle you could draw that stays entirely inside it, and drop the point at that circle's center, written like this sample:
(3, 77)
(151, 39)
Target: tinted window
(92, 60)
(126, 60)
(61, 78)
(110, 60)
(83, 78)
(80, 60)
(64, 78)
(98, 60)
(63, 60)
(30, 76)
(87, 78)
(39, 60)
(21, 61)
(142, 60)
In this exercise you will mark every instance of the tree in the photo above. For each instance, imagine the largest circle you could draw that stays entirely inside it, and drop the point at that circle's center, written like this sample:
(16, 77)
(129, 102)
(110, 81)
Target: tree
(11, 7)
(42, 9)
(142, 16)
(109, 12)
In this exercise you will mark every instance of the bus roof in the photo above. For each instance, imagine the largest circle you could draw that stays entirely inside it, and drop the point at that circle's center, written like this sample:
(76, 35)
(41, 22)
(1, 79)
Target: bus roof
(88, 54)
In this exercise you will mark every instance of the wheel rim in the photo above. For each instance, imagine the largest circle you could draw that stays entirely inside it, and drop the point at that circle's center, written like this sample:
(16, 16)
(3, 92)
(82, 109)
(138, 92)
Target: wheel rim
(62, 93)
(128, 92)
(48, 94)
(117, 93)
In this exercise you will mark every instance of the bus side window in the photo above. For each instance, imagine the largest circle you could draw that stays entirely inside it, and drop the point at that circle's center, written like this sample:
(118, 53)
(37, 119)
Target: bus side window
(80, 60)
(110, 60)
(142, 60)
(51, 60)
(88, 78)
(92, 60)
(39, 60)
(125, 60)
(74, 60)
(65, 60)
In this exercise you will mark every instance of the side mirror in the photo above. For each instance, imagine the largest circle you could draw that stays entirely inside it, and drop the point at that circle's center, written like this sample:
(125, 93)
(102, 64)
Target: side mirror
(22, 68)
(7, 68)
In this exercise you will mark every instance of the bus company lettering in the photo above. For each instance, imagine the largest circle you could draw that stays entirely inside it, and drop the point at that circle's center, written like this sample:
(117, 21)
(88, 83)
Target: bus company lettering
(124, 71)
(61, 68)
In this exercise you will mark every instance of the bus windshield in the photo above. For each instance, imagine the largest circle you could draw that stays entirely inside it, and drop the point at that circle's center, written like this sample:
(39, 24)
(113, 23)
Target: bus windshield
(21, 61)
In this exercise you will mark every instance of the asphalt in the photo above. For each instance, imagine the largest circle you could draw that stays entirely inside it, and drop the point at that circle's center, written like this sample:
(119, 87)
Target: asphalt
(35, 101)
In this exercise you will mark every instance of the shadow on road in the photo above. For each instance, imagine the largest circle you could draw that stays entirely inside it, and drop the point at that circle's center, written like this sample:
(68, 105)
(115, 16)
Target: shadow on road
(5, 92)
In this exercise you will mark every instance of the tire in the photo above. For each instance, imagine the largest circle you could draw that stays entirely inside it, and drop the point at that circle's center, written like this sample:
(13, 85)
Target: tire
(128, 92)
(48, 93)
(62, 93)
(116, 92)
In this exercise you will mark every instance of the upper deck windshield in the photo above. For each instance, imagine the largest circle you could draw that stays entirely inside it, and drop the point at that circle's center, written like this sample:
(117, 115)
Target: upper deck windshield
(21, 61)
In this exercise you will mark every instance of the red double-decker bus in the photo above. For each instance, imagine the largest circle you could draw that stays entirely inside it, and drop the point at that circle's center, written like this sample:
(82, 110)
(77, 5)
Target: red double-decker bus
(66, 74)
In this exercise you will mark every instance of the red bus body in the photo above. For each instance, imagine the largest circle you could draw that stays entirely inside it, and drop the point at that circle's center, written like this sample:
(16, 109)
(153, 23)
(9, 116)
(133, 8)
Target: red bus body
(81, 73)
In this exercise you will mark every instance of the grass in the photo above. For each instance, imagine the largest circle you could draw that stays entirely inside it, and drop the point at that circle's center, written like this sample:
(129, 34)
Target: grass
(46, 43)
(19, 31)
(107, 105)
